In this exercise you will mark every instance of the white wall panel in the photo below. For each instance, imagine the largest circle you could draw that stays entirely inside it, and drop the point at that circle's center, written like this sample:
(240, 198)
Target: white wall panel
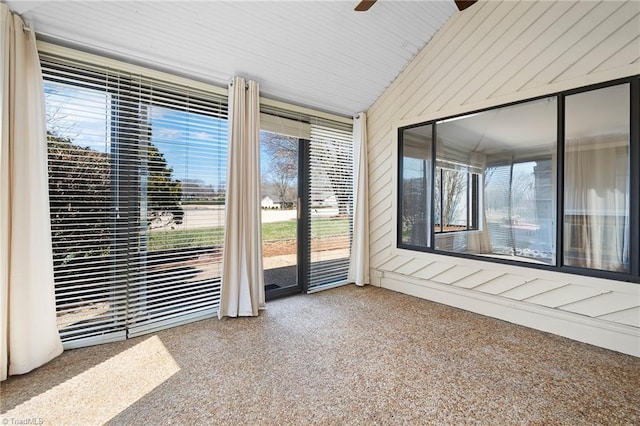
(453, 275)
(493, 53)
(603, 304)
(565, 295)
(627, 55)
(495, 29)
(628, 316)
(592, 29)
(433, 269)
(565, 51)
(412, 267)
(394, 263)
(478, 279)
(547, 47)
(532, 288)
(502, 284)
(525, 46)
(615, 38)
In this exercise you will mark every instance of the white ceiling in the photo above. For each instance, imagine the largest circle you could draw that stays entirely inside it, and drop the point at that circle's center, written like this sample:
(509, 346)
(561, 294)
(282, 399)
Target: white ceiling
(320, 54)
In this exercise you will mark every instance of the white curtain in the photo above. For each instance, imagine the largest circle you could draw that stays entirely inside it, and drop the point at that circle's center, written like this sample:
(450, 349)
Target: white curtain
(28, 332)
(479, 241)
(242, 292)
(597, 203)
(359, 261)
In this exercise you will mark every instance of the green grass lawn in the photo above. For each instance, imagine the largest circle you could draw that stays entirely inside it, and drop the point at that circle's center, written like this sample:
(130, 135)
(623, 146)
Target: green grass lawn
(279, 230)
(323, 228)
(275, 231)
(176, 239)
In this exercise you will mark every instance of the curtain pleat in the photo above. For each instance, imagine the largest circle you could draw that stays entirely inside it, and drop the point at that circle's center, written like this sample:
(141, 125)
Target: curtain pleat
(242, 291)
(29, 336)
(359, 260)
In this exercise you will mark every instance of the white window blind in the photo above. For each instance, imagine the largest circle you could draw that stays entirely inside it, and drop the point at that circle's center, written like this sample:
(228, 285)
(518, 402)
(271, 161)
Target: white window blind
(284, 126)
(331, 202)
(137, 180)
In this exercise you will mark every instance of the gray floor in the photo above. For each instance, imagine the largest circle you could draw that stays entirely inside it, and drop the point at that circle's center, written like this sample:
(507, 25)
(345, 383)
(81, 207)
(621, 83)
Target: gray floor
(344, 356)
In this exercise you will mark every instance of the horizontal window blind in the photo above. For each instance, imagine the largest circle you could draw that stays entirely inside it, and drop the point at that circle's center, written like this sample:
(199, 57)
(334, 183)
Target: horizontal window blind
(137, 190)
(330, 202)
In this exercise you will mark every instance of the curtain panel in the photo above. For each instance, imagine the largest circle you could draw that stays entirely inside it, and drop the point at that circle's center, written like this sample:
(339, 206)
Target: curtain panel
(242, 290)
(28, 333)
(597, 203)
(359, 261)
(480, 240)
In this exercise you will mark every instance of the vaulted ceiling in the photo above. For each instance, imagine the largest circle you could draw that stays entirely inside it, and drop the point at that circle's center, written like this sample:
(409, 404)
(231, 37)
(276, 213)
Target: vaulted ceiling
(320, 54)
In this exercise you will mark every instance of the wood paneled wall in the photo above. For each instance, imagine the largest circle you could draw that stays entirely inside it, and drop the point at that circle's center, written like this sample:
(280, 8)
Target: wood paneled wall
(490, 54)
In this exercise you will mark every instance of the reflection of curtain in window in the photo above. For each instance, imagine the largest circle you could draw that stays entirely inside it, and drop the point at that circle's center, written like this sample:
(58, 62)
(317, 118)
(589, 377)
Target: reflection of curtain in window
(479, 241)
(545, 173)
(597, 203)
(497, 206)
(420, 231)
(416, 203)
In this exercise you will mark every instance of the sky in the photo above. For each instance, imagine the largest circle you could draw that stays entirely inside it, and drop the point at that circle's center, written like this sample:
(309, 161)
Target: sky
(194, 145)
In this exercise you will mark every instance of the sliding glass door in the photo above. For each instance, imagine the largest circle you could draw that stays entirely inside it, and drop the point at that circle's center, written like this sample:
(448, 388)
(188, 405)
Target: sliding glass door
(137, 175)
(307, 203)
(280, 185)
(137, 191)
(174, 275)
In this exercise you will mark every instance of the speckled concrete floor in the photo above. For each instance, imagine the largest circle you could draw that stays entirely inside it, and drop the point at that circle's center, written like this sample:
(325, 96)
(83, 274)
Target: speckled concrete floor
(344, 356)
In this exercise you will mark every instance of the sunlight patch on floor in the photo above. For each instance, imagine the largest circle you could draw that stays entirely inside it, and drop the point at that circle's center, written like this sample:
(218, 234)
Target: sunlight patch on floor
(102, 392)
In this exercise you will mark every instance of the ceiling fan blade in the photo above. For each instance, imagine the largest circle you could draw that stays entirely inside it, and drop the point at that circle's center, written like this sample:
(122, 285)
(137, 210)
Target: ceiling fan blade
(364, 5)
(463, 4)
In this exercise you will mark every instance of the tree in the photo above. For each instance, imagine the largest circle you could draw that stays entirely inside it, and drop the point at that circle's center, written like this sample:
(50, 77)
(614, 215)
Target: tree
(197, 190)
(338, 169)
(58, 120)
(340, 179)
(282, 170)
(163, 192)
(451, 187)
(80, 201)
(414, 211)
(82, 198)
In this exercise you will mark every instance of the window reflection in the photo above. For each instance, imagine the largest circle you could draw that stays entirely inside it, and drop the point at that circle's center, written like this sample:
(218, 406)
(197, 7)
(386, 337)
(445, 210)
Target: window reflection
(596, 196)
(416, 178)
(508, 154)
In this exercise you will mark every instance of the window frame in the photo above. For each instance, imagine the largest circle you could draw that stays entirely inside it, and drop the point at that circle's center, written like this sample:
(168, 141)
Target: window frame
(400, 188)
(471, 199)
(632, 276)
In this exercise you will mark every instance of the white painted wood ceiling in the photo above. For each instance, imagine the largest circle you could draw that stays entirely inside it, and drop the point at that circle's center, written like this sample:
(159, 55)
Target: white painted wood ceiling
(319, 54)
